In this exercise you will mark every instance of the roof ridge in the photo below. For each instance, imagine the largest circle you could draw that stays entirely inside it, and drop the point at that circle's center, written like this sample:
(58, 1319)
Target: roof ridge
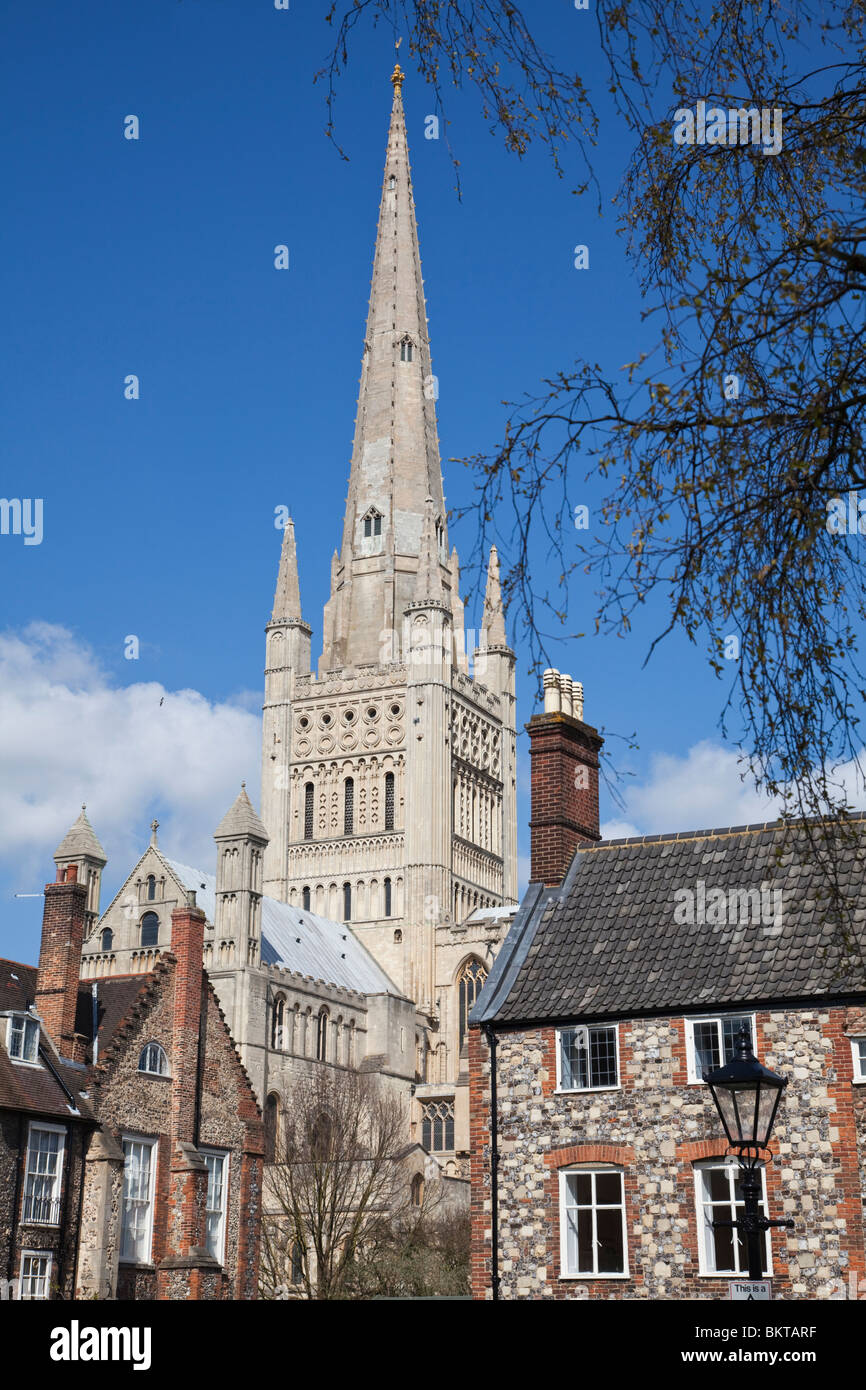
(682, 835)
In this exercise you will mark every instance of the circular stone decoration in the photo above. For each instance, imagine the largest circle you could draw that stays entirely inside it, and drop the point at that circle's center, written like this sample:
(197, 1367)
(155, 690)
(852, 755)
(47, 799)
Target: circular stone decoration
(371, 738)
(326, 744)
(348, 742)
(304, 747)
(394, 735)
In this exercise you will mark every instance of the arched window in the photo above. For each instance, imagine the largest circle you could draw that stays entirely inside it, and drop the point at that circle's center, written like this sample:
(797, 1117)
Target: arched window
(349, 806)
(305, 898)
(272, 1125)
(322, 1036)
(297, 1258)
(320, 1136)
(151, 888)
(150, 929)
(388, 899)
(153, 1060)
(405, 351)
(278, 1023)
(470, 979)
(373, 524)
(308, 810)
(416, 1190)
(389, 801)
(347, 902)
(107, 939)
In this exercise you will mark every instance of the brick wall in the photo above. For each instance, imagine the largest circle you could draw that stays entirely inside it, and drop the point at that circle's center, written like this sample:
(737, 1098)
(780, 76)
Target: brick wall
(564, 753)
(656, 1127)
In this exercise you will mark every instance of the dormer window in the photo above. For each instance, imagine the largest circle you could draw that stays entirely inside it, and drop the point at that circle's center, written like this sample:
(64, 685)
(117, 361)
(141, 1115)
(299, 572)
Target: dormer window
(392, 182)
(373, 523)
(406, 351)
(23, 1038)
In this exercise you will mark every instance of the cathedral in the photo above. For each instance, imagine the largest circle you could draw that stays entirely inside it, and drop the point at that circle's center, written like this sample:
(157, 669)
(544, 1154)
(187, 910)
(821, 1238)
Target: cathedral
(356, 920)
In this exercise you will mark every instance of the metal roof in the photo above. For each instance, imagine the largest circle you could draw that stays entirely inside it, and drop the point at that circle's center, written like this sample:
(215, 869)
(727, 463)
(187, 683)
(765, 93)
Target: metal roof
(301, 941)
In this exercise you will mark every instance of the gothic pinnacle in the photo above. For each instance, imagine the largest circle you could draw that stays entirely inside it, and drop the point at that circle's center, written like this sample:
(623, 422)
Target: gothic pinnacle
(287, 599)
(494, 617)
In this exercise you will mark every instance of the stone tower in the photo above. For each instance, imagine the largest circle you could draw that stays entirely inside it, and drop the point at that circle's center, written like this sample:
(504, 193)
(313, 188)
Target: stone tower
(388, 780)
(80, 847)
(241, 840)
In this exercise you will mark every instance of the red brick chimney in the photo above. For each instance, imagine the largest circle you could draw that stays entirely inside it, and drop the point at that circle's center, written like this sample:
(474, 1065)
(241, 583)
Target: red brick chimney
(60, 961)
(564, 753)
(187, 945)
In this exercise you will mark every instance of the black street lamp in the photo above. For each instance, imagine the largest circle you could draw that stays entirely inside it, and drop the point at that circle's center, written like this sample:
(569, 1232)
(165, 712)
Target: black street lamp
(747, 1097)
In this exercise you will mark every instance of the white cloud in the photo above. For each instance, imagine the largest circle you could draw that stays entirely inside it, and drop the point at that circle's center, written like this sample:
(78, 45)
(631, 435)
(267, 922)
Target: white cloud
(703, 790)
(69, 734)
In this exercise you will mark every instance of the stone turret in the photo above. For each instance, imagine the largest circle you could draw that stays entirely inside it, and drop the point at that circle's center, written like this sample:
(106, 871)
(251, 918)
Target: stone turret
(494, 667)
(80, 847)
(241, 842)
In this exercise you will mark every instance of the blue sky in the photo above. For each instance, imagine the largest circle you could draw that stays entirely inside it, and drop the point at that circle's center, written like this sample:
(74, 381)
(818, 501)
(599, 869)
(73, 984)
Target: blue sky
(155, 257)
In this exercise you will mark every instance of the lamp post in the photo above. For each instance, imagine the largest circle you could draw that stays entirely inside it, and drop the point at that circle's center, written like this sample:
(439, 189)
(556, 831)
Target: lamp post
(747, 1097)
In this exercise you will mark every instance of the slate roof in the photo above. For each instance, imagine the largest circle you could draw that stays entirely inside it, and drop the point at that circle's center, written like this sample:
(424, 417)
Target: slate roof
(606, 943)
(35, 1088)
(301, 941)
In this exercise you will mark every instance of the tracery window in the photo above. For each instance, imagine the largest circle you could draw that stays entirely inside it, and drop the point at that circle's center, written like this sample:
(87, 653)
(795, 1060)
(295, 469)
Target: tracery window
(349, 806)
(308, 810)
(389, 801)
(437, 1126)
(470, 980)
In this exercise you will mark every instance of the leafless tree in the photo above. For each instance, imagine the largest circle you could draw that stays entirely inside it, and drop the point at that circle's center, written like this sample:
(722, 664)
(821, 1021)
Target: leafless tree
(335, 1179)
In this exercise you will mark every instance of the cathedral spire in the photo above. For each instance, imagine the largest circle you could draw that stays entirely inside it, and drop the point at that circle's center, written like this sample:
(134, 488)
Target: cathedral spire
(287, 599)
(395, 453)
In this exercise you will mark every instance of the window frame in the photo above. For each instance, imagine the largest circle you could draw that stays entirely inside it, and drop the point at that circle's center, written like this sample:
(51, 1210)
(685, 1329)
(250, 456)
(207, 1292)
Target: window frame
(691, 1053)
(148, 1071)
(54, 1200)
(48, 1257)
(28, 1021)
(586, 1090)
(224, 1155)
(152, 1144)
(858, 1058)
(592, 1170)
(731, 1167)
(148, 945)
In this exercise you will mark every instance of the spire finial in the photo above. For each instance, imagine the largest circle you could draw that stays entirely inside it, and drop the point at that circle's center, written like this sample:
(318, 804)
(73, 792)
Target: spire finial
(397, 77)
(154, 826)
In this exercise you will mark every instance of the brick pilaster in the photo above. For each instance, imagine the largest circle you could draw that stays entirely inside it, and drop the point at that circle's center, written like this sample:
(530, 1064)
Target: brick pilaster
(187, 944)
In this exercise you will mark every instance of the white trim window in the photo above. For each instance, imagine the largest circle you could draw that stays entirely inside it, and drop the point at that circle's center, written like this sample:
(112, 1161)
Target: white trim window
(217, 1161)
(587, 1059)
(858, 1055)
(43, 1175)
(34, 1280)
(139, 1173)
(22, 1039)
(711, 1042)
(719, 1198)
(153, 1060)
(593, 1239)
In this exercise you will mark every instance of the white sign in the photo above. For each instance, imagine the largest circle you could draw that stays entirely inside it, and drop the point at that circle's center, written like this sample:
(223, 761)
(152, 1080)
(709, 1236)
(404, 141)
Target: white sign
(751, 1290)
